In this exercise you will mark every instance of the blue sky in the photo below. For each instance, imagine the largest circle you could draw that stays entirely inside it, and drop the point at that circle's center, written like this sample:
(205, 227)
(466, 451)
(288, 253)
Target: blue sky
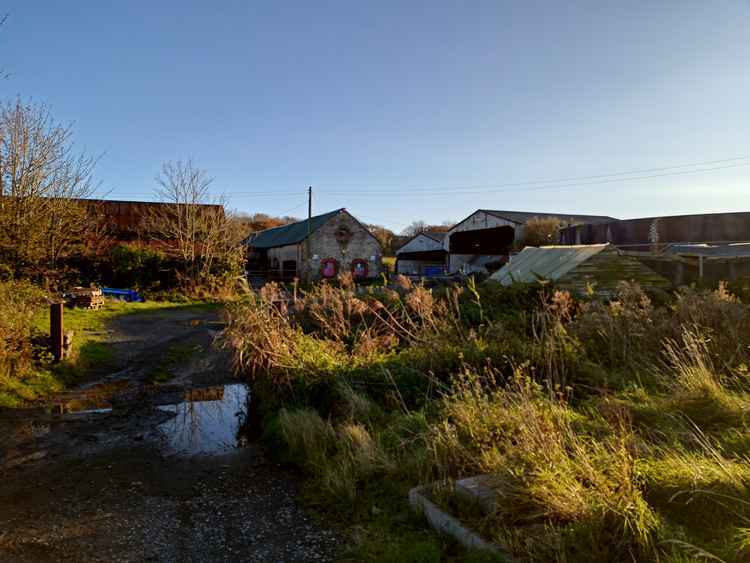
(402, 110)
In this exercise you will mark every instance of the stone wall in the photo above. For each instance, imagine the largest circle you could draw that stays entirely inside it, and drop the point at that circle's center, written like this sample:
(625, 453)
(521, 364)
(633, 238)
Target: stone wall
(327, 242)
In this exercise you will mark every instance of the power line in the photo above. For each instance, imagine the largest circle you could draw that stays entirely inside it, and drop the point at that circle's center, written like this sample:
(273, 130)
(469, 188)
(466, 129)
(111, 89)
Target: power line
(503, 189)
(477, 188)
(577, 178)
(293, 208)
(528, 185)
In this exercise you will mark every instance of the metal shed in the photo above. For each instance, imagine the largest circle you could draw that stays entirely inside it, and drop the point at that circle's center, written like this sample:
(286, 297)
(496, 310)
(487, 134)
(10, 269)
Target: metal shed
(597, 267)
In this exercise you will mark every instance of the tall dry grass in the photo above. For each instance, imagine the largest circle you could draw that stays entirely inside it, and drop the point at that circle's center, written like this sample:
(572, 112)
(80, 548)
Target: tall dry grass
(284, 336)
(547, 471)
(606, 474)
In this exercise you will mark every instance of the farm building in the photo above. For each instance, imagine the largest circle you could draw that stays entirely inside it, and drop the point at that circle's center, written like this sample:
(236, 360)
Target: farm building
(129, 221)
(686, 263)
(317, 248)
(653, 233)
(579, 269)
(484, 240)
(422, 255)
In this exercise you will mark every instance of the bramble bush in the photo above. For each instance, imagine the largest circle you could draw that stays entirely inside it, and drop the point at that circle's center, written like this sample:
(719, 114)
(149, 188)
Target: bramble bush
(19, 301)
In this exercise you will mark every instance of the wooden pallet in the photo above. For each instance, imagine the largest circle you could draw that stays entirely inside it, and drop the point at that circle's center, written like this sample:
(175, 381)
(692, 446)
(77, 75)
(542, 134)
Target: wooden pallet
(86, 298)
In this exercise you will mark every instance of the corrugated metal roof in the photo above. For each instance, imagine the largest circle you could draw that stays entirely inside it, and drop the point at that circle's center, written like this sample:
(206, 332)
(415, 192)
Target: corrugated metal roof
(522, 217)
(438, 236)
(734, 250)
(292, 233)
(546, 262)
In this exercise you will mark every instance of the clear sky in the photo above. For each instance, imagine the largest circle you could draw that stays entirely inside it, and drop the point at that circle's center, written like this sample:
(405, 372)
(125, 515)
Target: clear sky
(398, 109)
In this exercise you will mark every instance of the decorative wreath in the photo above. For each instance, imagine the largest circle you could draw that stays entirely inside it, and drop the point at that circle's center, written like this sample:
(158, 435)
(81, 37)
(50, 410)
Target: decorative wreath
(343, 234)
(329, 267)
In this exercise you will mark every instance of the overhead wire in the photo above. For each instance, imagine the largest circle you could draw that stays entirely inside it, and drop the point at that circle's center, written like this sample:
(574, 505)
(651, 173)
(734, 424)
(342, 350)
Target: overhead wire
(512, 187)
(528, 185)
(578, 178)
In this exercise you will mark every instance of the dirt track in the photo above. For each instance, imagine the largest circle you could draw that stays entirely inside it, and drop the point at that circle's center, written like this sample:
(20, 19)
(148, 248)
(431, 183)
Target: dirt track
(155, 478)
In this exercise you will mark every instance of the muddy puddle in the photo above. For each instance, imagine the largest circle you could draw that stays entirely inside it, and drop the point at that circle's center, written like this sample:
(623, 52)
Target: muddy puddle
(208, 421)
(96, 399)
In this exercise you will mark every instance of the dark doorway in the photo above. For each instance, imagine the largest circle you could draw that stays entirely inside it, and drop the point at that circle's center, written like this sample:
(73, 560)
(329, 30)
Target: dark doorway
(494, 241)
(288, 270)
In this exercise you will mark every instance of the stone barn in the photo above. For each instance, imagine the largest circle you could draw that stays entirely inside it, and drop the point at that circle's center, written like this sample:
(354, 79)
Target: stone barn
(423, 255)
(485, 239)
(317, 248)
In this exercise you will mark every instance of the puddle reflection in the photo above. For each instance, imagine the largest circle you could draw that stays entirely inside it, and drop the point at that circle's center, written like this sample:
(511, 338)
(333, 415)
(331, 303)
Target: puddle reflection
(208, 422)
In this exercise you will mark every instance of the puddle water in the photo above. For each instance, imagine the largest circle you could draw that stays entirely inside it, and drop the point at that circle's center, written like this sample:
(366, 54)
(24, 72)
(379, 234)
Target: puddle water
(95, 399)
(208, 421)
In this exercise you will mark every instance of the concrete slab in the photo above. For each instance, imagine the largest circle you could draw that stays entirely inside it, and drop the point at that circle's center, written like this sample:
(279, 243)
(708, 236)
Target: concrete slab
(445, 523)
(479, 490)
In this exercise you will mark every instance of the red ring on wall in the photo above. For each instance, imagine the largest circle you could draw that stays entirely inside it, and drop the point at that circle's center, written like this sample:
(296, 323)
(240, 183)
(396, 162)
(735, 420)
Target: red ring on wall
(324, 264)
(363, 263)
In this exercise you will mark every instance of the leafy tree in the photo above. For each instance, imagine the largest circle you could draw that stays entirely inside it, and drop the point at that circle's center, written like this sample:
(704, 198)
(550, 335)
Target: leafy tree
(540, 231)
(385, 238)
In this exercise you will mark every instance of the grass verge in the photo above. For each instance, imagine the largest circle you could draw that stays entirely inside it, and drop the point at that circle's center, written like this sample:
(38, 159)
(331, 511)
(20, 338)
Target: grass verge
(91, 353)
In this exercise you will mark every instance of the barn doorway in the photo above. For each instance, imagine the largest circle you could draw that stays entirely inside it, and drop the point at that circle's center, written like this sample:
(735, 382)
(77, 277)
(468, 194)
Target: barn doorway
(288, 270)
(488, 242)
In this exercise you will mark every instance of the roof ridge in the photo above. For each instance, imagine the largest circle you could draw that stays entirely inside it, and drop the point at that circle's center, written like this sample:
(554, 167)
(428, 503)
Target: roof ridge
(544, 213)
(288, 225)
(294, 232)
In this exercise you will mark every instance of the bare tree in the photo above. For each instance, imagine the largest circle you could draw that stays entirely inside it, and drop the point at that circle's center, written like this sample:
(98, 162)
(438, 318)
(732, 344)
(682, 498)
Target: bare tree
(42, 182)
(418, 227)
(3, 74)
(195, 223)
(415, 228)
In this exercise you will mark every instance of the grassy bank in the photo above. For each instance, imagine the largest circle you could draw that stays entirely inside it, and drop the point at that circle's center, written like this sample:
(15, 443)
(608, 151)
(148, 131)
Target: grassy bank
(612, 430)
(37, 378)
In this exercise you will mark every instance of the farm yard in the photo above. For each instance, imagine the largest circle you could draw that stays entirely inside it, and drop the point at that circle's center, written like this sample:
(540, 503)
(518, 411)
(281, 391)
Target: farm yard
(509, 399)
(140, 457)
(599, 429)
(374, 282)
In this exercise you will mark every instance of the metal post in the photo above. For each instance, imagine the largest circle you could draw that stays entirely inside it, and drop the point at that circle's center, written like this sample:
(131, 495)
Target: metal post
(308, 256)
(56, 329)
(309, 206)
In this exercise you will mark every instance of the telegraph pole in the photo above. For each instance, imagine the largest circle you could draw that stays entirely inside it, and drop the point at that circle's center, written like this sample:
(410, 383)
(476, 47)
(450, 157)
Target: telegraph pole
(309, 228)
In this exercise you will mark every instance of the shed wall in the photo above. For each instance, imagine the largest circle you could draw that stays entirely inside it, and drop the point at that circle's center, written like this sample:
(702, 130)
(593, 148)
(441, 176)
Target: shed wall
(481, 220)
(420, 243)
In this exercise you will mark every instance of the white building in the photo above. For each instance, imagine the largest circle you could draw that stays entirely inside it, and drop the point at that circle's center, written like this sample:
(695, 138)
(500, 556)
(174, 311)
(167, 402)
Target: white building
(422, 255)
(485, 239)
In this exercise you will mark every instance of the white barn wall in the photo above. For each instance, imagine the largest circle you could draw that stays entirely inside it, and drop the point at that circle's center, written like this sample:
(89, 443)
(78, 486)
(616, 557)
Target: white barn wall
(420, 243)
(283, 253)
(474, 222)
(481, 220)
